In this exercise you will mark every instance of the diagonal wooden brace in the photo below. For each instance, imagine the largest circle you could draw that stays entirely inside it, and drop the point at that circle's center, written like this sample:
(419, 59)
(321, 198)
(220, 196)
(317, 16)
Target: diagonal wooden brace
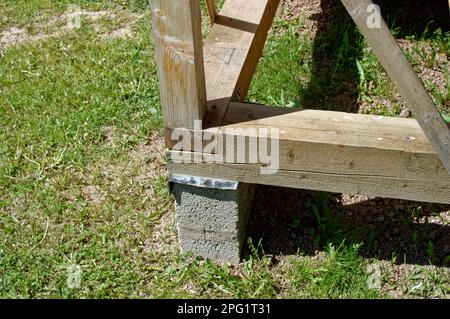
(212, 10)
(402, 74)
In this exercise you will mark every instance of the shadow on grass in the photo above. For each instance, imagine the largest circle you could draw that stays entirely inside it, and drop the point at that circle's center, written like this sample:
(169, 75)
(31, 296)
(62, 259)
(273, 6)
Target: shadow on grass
(338, 45)
(289, 221)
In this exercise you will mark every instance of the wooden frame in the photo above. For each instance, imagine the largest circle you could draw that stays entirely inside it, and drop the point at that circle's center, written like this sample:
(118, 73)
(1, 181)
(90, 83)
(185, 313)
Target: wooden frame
(212, 10)
(319, 150)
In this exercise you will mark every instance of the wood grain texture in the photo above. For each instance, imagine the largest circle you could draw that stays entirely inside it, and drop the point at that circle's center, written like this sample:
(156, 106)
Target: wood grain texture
(402, 74)
(374, 186)
(336, 152)
(232, 50)
(212, 10)
(179, 58)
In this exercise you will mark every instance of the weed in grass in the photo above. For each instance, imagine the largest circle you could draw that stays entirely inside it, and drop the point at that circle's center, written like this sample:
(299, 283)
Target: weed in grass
(328, 226)
(427, 282)
(372, 242)
(283, 66)
(394, 257)
(340, 274)
(431, 253)
(196, 278)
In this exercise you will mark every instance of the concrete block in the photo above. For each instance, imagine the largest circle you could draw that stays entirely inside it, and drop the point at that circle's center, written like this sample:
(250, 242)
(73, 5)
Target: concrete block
(211, 221)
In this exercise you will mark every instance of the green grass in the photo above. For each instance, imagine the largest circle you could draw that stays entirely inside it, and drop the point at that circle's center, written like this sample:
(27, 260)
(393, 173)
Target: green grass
(319, 69)
(57, 97)
(81, 124)
(275, 84)
(341, 274)
(192, 278)
(336, 70)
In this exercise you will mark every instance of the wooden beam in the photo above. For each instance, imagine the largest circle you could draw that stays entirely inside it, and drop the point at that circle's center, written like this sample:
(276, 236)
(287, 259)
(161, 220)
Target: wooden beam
(212, 10)
(232, 50)
(179, 57)
(331, 151)
(402, 74)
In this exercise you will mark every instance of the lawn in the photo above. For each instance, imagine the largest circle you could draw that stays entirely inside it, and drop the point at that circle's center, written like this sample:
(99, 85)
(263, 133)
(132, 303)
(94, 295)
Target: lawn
(85, 211)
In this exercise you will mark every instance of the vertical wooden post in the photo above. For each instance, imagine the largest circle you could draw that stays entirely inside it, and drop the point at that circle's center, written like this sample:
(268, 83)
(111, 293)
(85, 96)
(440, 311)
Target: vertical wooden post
(402, 74)
(179, 58)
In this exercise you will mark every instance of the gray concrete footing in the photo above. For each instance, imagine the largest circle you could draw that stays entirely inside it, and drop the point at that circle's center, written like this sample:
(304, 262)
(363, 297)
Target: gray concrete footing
(212, 216)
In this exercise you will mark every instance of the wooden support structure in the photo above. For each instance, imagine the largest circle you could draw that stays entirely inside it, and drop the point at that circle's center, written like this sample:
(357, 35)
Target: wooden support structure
(402, 74)
(331, 151)
(179, 57)
(232, 51)
(318, 150)
(212, 10)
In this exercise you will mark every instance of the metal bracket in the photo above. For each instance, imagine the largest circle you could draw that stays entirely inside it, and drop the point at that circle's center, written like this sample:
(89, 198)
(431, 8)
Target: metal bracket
(202, 182)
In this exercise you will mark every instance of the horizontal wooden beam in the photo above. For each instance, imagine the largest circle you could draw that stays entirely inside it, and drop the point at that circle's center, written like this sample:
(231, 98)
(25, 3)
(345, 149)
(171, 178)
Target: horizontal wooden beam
(331, 151)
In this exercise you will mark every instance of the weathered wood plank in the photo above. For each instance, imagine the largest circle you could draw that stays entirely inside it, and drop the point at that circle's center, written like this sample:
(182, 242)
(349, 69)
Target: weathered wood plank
(402, 74)
(343, 143)
(333, 151)
(232, 50)
(179, 57)
(212, 10)
(374, 186)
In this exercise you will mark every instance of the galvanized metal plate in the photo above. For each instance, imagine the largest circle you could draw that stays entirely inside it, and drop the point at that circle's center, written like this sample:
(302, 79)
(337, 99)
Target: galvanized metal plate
(203, 182)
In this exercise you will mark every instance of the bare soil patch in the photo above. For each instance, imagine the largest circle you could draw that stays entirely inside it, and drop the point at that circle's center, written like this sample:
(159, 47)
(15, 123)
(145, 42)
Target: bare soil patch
(58, 26)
